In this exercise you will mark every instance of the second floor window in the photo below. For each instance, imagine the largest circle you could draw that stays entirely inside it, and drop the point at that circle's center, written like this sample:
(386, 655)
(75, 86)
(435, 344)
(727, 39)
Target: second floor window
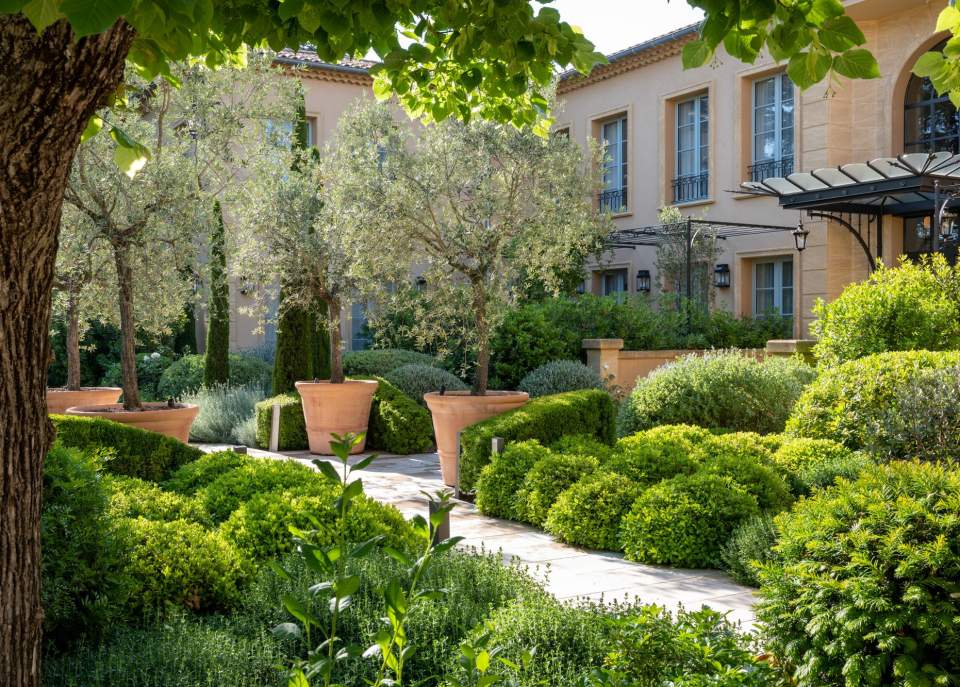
(773, 103)
(614, 138)
(692, 180)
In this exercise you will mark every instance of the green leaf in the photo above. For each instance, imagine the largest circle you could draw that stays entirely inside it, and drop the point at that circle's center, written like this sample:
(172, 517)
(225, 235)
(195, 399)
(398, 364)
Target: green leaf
(88, 17)
(289, 9)
(11, 6)
(94, 125)
(42, 13)
(857, 64)
(808, 68)
(929, 64)
(327, 470)
(130, 160)
(841, 33)
(310, 18)
(949, 18)
(696, 54)
(297, 679)
(346, 586)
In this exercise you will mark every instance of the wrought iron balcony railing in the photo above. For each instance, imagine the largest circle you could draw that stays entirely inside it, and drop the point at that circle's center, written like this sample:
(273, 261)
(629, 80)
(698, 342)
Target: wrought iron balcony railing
(770, 168)
(691, 187)
(615, 201)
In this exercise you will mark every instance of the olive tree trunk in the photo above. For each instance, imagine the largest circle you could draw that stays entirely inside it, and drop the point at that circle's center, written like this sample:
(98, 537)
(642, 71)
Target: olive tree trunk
(51, 85)
(73, 343)
(128, 330)
(336, 341)
(482, 377)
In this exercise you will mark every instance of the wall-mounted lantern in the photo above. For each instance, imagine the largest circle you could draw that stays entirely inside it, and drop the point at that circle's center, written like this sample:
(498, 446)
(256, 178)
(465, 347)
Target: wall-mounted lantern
(922, 228)
(643, 281)
(721, 276)
(800, 236)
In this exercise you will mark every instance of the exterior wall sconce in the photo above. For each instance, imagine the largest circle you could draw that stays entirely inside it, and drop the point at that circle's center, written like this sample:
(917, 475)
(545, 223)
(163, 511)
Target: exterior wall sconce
(420, 283)
(721, 276)
(643, 281)
(800, 236)
(923, 229)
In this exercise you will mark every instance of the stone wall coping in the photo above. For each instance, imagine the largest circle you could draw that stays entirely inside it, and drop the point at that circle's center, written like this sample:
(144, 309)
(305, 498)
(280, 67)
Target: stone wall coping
(603, 344)
(791, 345)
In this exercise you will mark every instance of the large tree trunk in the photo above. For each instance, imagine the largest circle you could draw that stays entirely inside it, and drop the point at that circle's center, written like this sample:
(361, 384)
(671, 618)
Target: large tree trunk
(73, 343)
(482, 378)
(128, 330)
(336, 341)
(50, 85)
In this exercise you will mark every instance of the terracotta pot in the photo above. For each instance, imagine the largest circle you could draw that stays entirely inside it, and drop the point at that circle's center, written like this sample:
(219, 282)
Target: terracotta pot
(330, 409)
(454, 411)
(156, 417)
(58, 400)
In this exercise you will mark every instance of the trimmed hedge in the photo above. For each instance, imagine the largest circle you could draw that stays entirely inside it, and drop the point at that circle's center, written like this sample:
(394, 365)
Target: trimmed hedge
(377, 362)
(590, 512)
(502, 477)
(138, 453)
(590, 412)
(546, 480)
(293, 428)
(228, 492)
(136, 498)
(854, 403)
(659, 453)
(193, 476)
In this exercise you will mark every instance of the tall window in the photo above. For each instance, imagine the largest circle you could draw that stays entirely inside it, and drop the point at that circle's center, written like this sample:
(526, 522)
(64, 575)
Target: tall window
(773, 287)
(929, 121)
(773, 108)
(312, 132)
(613, 282)
(614, 137)
(692, 181)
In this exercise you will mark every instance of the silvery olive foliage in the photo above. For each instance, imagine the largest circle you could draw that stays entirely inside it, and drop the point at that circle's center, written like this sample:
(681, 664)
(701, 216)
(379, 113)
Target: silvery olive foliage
(478, 209)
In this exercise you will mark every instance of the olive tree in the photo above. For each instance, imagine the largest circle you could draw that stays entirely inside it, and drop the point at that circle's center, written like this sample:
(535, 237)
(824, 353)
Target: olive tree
(479, 208)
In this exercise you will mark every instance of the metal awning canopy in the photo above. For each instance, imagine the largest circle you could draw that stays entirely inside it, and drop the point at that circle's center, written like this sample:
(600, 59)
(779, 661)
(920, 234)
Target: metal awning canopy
(902, 186)
(655, 234)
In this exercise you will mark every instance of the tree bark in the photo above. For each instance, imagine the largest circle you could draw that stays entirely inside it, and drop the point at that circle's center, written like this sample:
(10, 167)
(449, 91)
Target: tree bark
(51, 84)
(128, 330)
(482, 377)
(336, 341)
(73, 343)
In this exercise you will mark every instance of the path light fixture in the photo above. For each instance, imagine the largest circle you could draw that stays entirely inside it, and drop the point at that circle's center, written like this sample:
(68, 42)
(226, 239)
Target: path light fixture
(643, 281)
(721, 276)
(800, 236)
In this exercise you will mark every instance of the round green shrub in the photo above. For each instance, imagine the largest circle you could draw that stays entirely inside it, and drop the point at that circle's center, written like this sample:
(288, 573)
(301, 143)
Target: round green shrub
(744, 445)
(659, 453)
(559, 376)
(134, 498)
(501, 478)
(417, 379)
(378, 362)
(769, 488)
(524, 341)
(825, 473)
(226, 493)
(858, 404)
(864, 591)
(195, 475)
(545, 481)
(685, 521)
(185, 376)
(796, 456)
(904, 308)
(583, 444)
(260, 526)
(150, 369)
(590, 512)
(83, 590)
(179, 563)
(750, 545)
(725, 390)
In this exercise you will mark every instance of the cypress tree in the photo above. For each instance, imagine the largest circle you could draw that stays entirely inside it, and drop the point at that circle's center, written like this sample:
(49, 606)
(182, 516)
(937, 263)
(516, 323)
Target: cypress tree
(217, 361)
(320, 350)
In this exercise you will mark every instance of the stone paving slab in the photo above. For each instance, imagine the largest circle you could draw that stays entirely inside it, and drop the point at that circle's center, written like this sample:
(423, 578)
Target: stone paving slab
(568, 572)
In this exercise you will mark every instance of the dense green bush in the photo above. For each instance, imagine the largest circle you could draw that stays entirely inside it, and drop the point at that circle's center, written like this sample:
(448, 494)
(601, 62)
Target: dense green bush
(684, 521)
(769, 488)
(926, 419)
(138, 453)
(865, 592)
(590, 412)
(502, 477)
(135, 498)
(583, 444)
(909, 307)
(724, 390)
(524, 341)
(197, 474)
(659, 453)
(559, 376)
(82, 548)
(293, 428)
(227, 492)
(186, 374)
(260, 526)
(750, 545)
(743, 445)
(180, 563)
(150, 369)
(798, 456)
(546, 480)
(398, 424)
(378, 362)
(415, 380)
(852, 404)
(590, 512)
(222, 410)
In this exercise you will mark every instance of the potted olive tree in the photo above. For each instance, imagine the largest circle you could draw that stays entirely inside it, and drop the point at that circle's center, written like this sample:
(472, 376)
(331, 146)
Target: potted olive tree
(190, 145)
(483, 210)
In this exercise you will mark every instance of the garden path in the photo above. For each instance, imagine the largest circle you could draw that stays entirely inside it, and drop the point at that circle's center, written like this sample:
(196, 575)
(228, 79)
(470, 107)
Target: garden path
(568, 572)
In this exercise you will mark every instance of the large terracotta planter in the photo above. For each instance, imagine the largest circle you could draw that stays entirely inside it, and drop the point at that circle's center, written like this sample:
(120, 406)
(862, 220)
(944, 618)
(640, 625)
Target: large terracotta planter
(156, 417)
(330, 409)
(454, 411)
(58, 400)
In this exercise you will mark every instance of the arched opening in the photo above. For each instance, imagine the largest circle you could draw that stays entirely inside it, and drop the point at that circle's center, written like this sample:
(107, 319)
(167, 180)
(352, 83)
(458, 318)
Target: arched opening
(930, 121)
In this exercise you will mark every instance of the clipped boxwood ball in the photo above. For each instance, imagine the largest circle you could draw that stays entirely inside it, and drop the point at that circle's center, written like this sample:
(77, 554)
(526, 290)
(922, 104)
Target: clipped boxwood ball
(546, 480)
(226, 493)
(659, 453)
(590, 512)
(500, 480)
(686, 520)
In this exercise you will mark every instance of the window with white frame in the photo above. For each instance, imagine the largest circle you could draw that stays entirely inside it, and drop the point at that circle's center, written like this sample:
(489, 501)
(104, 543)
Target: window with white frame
(613, 282)
(613, 135)
(312, 132)
(773, 127)
(773, 287)
(692, 166)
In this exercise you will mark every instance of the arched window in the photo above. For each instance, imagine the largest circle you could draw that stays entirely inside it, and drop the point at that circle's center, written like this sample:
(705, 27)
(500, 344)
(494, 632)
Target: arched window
(930, 121)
